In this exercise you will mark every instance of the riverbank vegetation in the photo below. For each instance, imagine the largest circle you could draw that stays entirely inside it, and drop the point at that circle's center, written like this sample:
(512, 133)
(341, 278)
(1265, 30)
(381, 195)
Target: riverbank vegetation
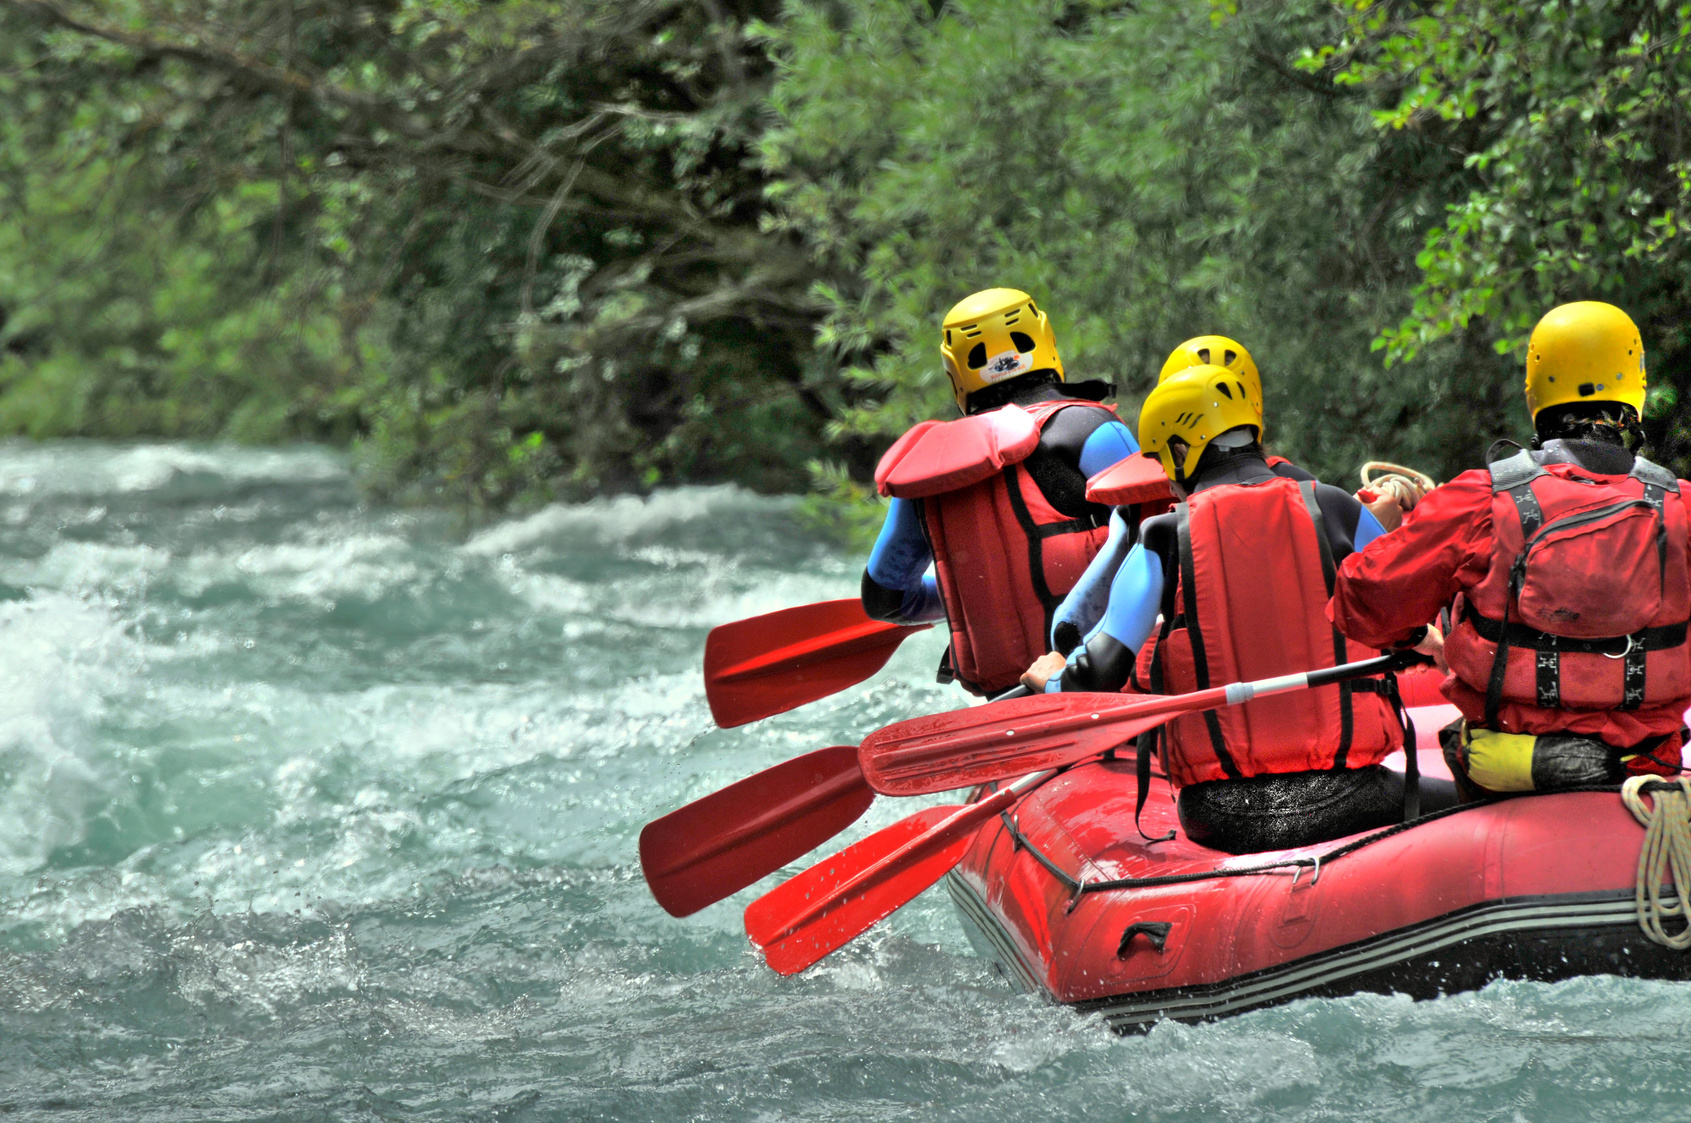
(540, 248)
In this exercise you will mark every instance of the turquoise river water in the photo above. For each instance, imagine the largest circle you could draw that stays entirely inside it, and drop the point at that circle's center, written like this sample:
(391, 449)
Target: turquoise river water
(314, 811)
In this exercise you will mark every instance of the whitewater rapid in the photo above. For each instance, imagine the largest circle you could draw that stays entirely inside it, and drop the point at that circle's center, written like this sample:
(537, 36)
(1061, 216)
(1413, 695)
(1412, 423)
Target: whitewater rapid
(313, 810)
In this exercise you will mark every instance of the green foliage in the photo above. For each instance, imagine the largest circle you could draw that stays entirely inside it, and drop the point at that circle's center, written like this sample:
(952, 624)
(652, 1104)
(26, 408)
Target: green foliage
(125, 312)
(515, 246)
(1149, 174)
(525, 248)
(1573, 122)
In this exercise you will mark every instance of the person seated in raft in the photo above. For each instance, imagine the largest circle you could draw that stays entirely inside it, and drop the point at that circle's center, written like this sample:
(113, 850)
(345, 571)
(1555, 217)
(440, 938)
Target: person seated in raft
(1564, 569)
(1083, 608)
(996, 501)
(1258, 552)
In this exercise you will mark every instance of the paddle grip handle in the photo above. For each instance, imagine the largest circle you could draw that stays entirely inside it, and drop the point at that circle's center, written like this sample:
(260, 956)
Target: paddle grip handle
(1013, 692)
(1394, 661)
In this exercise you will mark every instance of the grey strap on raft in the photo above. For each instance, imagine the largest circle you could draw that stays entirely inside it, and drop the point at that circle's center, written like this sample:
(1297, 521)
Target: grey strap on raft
(1329, 573)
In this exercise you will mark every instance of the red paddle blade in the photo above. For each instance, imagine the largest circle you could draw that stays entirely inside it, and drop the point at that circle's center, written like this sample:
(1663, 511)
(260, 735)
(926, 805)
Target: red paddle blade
(793, 933)
(767, 665)
(945, 752)
(1135, 479)
(716, 846)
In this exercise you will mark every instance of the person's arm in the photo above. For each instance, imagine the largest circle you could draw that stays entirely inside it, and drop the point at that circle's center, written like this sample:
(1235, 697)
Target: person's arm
(1137, 592)
(1084, 606)
(1105, 660)
(1106, 446)
(1387, 593)
(897, 586)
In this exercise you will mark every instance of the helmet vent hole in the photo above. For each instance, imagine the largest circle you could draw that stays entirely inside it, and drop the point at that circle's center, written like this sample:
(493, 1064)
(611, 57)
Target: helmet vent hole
(1203, 354)
(1024, 343)
(1222, 386)
(977, 356)
(1228, 357)
(1012, 318)
(1032, 307)
(948, 337)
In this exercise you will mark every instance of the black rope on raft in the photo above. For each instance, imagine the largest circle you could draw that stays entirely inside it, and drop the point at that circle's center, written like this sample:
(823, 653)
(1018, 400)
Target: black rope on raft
(1079, 887)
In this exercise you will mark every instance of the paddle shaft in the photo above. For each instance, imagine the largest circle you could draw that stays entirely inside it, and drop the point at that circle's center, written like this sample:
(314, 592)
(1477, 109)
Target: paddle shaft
(1143, 707)
(945, 752)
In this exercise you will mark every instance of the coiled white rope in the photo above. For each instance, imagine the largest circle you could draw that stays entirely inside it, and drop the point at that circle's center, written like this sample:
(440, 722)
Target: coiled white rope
(1667, 849)
(1386, 470)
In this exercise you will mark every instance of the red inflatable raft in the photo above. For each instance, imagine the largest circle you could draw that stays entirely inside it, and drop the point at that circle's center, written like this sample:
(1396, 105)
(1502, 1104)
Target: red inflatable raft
(1064, 896)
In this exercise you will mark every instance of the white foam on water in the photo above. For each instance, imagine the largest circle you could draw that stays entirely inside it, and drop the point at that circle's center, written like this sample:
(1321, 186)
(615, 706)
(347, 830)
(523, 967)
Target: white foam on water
(60, 656)
(322, 566)
(628, 519)
(94, 468)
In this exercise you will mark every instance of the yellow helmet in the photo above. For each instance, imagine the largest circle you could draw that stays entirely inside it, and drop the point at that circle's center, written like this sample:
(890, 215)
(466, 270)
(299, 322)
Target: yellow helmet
(1585, 352)
(1216, 350)
(995, 335)
(1197, 405)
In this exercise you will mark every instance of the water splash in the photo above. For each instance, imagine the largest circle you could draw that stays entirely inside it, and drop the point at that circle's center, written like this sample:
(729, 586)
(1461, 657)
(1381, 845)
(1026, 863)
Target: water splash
(310, 811)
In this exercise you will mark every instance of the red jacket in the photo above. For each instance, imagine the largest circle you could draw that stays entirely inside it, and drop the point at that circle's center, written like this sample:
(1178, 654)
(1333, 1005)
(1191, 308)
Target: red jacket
(1446, 547)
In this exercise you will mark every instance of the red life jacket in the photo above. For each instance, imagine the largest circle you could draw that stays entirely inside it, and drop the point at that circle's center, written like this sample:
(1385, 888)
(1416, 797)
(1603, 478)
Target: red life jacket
(1586, 601)
(1255, 574)
(1005, 557)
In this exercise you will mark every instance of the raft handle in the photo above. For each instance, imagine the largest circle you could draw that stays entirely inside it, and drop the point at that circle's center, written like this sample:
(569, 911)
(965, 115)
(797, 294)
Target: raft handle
(1156, 931)
(1297, 871)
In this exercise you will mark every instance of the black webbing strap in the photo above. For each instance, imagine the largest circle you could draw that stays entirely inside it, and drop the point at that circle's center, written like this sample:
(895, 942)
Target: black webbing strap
(1329, 573)
(1037, 533)
(1520, 635)
(1200, 659)
(1411, 757)
(1143, 748)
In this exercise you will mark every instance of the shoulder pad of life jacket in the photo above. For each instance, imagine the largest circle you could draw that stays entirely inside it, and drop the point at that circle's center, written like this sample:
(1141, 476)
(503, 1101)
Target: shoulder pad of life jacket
(1134, 479)
(940, 456)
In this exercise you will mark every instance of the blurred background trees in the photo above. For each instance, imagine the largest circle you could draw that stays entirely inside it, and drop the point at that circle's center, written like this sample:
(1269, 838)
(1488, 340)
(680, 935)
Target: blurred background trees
(524, 249)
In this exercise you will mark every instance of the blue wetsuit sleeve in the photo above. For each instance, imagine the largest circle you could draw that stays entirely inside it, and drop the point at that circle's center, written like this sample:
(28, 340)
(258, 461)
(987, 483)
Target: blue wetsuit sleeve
(1135, 598)
(1368, 528)
(900, 560)
(1084, 606)
(1109, 444)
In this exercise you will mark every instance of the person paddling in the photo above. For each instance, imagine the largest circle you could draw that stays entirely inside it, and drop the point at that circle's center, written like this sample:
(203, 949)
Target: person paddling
(1566, 564)
(1241, 572)
(996, 501)
(1084, 606)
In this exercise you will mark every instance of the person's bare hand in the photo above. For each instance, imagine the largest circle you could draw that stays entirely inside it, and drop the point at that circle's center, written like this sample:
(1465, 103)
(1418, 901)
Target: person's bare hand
(1043, 668)
(1433, 644)
(1386, 512)
(1393, 497)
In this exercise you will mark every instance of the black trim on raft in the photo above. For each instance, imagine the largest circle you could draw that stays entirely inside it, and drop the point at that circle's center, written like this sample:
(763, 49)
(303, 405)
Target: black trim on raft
(1542, 938)
(988, 937)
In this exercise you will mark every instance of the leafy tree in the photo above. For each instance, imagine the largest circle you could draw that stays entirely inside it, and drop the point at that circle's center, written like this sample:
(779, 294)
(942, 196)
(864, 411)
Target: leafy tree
(1149, 174)
(543, 217)
(1573, 122)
